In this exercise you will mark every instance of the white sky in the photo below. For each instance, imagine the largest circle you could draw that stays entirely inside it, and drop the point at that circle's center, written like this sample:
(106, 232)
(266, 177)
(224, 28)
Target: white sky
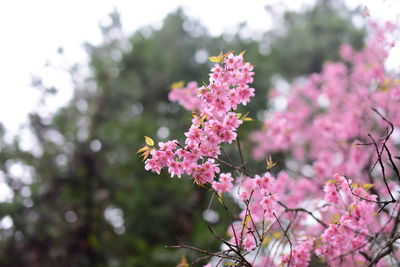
(31, 32)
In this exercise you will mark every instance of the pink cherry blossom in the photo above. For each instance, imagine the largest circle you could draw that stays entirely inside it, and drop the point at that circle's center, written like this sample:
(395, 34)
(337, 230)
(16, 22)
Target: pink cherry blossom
(326, 202)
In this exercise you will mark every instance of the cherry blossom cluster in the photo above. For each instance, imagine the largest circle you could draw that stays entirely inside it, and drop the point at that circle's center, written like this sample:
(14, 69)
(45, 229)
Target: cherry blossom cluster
(328, 204)
(353, 211)
(335, 106)
(347, 215)
(261, 209)
(328, 127)
(187, 96)
(301, 255)
(214, 122)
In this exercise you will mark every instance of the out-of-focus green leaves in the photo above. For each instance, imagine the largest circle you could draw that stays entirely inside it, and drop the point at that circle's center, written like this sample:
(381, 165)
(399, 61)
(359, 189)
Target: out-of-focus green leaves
(309, 39)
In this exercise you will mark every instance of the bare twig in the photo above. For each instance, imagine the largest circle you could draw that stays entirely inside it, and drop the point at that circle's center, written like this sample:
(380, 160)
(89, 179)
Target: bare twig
(287, 236)
(302, 210)
(211, 254)
(240, 152)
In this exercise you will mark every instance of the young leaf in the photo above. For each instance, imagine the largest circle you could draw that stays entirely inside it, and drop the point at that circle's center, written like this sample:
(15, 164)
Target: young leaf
(246, 221)
(248, 119)
(245, 117)
(143, 149)
(177, 85)
(217, 59)
(266, 240)
(146, 154)
(220, 198)
(196, 181)
(270, 163)
(367, 186)
(149, 141)
(183, 262)
(195, 114)
(276, 235)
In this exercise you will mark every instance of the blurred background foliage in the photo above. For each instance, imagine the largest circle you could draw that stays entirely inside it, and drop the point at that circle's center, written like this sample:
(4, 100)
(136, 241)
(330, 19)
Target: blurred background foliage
(83, 198)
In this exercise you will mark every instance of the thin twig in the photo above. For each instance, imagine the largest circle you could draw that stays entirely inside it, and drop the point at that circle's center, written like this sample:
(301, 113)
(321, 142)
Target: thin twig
(303, 210)
(285, 233)
(240, 152)
(382, 166)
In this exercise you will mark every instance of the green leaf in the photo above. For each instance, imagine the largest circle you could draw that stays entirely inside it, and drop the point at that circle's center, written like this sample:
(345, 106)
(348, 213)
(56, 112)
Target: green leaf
(217, 59)
(177, 85)
(367, 186)
(149, 141)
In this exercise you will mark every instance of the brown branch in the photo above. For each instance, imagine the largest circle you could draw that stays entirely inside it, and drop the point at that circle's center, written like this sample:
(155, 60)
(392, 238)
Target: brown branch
(230, 218)
(232, 247)
(302, 210)
(366, 199)
(382, 166)
(394, 167)
(285, 233)
(227, 164)
(240, 152)
(211, 254)
(386, 250)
